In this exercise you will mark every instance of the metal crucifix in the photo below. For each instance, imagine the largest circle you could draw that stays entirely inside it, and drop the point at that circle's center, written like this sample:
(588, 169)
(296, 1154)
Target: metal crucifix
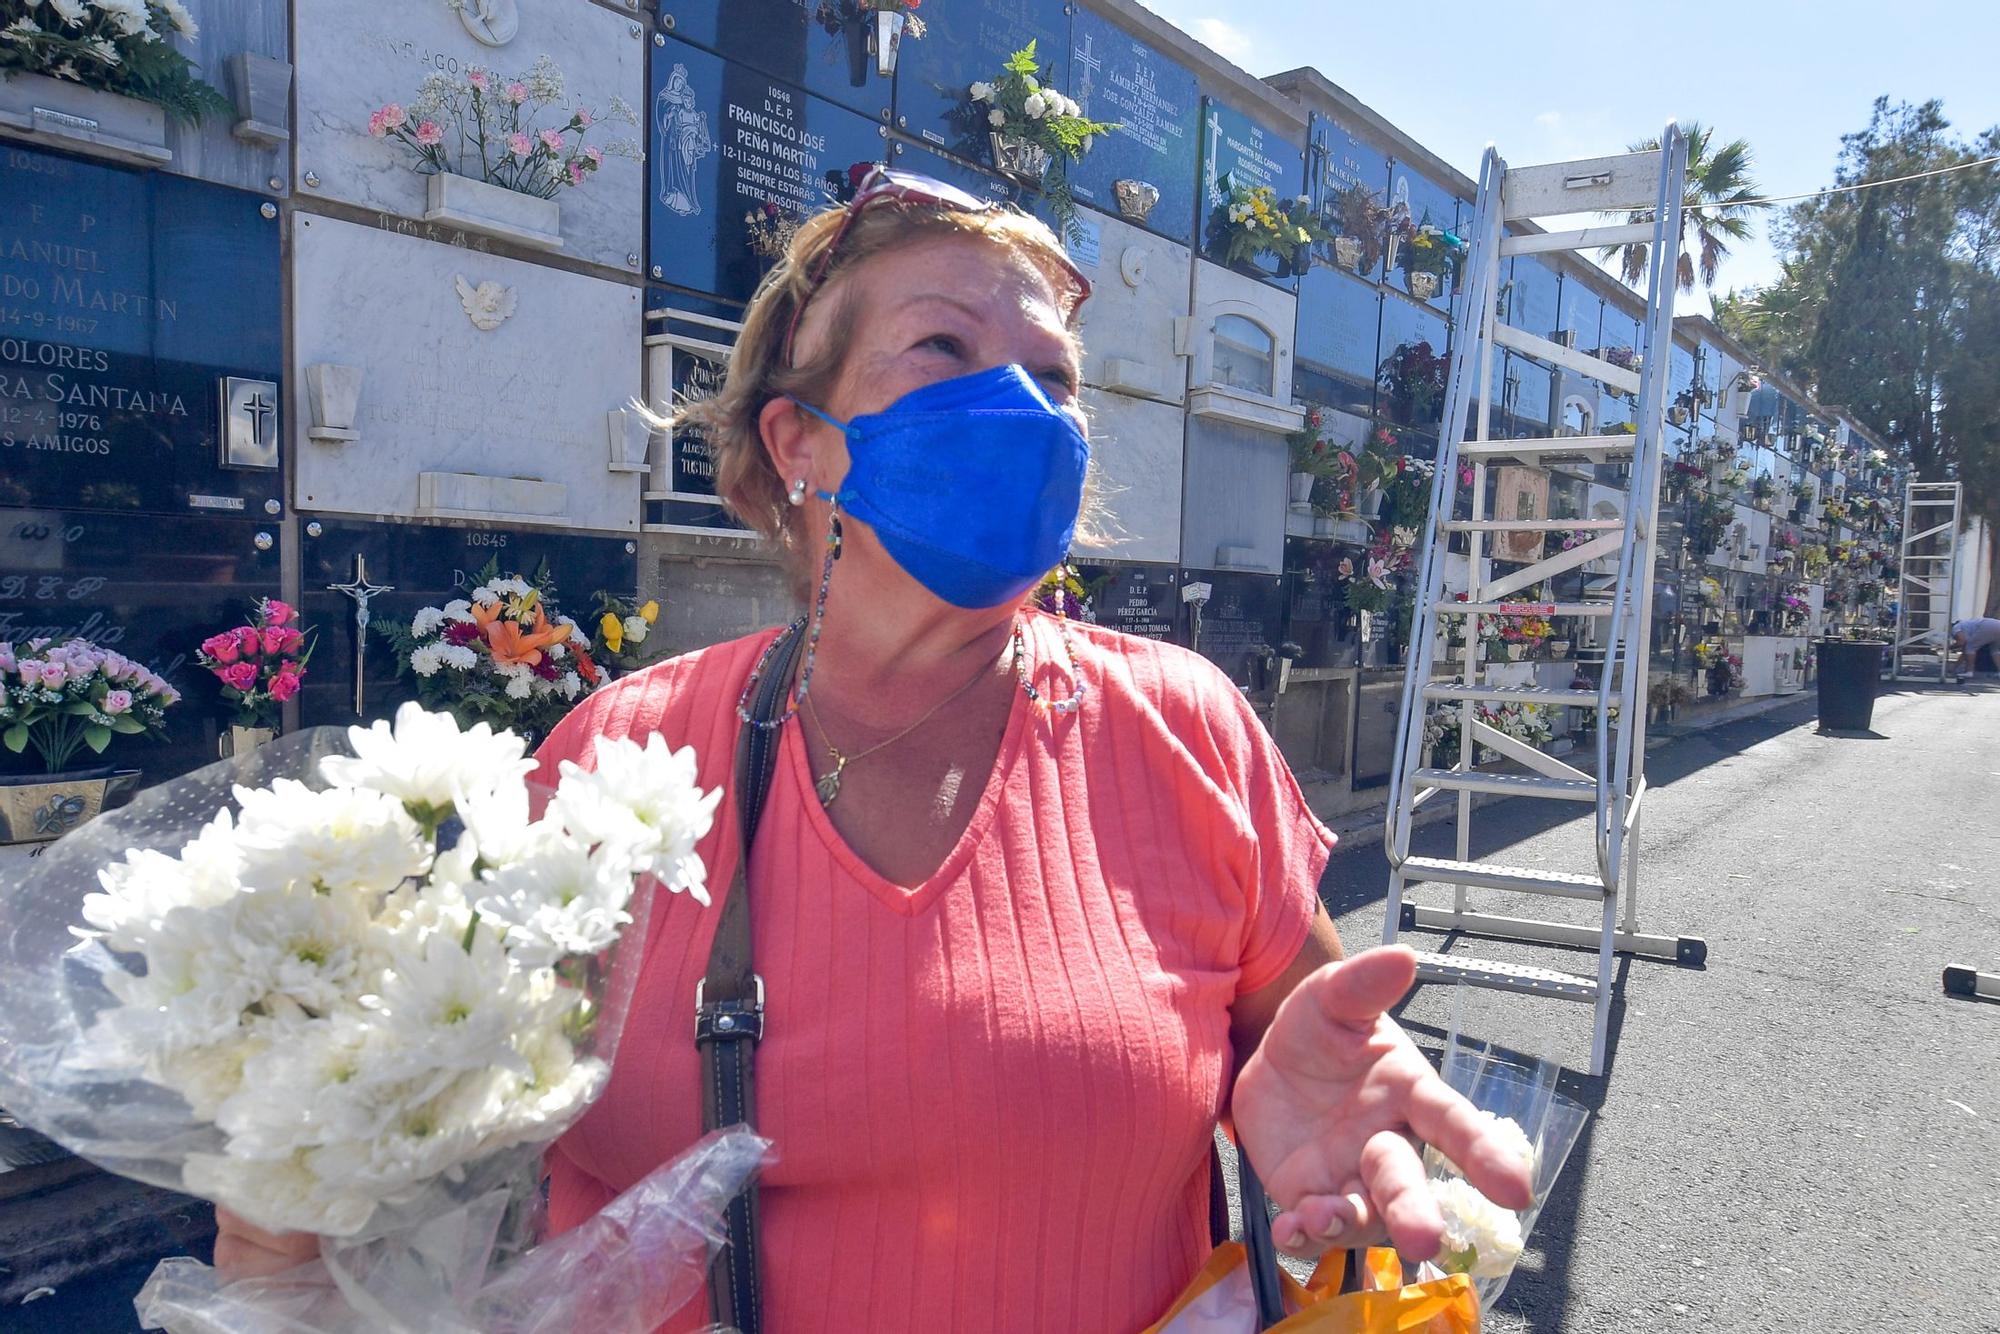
(362, 592)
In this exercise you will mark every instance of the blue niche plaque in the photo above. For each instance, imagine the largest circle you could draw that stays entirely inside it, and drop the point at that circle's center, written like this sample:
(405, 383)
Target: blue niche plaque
(424, 565)
(1415, 202)
(964, 44)
(1156, 105)
(735, 158)
(1339, 318)
(1237, 150)
(818, 45)
(921, 158)
(135, 308)
(1348, 182)
(149, 586)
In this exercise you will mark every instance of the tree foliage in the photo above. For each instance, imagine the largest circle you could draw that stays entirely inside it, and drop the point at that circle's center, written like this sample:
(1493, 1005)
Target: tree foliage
(1888, 299)
(1717, 200)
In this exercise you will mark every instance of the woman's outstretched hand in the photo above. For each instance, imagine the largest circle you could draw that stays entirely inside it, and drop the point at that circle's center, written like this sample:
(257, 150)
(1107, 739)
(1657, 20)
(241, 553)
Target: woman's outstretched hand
(1330, 1103)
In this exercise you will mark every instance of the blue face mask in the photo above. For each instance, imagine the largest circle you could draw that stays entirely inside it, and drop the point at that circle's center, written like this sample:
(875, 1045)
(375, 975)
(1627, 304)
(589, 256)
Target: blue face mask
(972, 485)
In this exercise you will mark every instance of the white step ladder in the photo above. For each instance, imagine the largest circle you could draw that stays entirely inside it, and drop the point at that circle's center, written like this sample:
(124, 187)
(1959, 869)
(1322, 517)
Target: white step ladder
(1614, 792)
(1927, 586)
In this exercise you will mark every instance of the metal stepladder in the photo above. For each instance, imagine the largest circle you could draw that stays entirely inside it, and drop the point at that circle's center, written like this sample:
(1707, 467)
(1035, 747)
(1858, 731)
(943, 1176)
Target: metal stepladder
(1614, 793)
(1927, 584)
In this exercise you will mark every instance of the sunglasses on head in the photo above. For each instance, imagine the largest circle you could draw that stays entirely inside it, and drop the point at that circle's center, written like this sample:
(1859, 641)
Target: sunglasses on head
(902, 187)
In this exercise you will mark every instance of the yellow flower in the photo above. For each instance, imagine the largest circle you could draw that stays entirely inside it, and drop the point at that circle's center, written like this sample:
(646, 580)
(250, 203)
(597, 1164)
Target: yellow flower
(612, 631)
(650, 612)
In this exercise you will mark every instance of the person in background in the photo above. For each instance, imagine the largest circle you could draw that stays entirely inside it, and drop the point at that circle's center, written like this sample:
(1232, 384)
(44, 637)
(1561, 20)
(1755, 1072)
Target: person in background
(1974, 639)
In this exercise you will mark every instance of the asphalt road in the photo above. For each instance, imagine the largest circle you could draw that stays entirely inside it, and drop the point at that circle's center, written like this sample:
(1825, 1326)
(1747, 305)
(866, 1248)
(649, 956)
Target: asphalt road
(1804, 1134)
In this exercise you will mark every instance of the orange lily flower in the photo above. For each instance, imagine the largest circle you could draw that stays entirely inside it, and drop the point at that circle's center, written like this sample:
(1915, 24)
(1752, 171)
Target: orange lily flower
(509, 644)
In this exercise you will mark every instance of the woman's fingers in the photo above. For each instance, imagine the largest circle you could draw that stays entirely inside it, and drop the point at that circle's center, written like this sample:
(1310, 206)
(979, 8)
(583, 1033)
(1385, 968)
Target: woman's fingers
(1318, 1223)
(243, 1250)
(1444, 1119)
(1394, 1179)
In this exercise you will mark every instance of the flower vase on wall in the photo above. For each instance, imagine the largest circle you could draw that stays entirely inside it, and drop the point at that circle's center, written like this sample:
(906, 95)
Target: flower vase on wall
(240, 740)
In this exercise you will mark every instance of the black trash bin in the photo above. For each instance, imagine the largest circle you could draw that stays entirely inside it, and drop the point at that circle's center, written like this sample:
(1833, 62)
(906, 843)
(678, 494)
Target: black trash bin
(1849, 672)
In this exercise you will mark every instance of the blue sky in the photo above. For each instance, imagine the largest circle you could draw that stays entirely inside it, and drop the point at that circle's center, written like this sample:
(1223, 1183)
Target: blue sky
(1561, 80)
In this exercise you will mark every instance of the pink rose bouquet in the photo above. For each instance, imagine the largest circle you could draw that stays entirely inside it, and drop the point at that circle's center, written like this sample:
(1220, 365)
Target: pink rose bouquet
(260, 664)
(62, 695)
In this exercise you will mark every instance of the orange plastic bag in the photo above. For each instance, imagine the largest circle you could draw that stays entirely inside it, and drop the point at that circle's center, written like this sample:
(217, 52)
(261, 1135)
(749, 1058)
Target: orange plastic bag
(1219, 1300)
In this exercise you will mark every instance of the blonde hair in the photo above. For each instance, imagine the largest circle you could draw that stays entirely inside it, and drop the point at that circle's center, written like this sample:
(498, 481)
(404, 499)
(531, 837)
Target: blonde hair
(745, 478)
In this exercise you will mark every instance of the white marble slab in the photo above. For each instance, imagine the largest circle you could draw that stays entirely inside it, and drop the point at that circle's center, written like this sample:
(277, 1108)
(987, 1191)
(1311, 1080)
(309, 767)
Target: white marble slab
(1139, 288)
(524, 399)
(353, 56)
(1135, 451)
(211, 150)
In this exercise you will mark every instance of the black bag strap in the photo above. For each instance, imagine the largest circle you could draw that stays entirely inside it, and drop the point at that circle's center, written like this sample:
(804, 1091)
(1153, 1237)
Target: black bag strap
(729, 1000)
(1261, 1248)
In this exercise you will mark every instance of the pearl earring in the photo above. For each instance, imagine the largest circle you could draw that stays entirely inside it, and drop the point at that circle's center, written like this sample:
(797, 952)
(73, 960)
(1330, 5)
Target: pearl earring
(797, 495)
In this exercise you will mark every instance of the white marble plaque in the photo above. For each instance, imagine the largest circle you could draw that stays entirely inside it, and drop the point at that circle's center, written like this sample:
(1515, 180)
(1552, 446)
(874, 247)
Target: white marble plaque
(471, 364)
(1135, 449)
(355, 56)
(1139, 287)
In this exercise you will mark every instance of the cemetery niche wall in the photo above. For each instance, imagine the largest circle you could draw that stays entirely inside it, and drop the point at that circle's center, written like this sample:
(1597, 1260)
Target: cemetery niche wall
(738, 159)
(359, 58)
(968, 44)
(140, 341)
(494, 400)
(1156, 104)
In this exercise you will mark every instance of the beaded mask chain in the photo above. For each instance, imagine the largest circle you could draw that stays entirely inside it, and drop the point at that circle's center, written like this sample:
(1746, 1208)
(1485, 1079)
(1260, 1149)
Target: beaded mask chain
(1079, 687)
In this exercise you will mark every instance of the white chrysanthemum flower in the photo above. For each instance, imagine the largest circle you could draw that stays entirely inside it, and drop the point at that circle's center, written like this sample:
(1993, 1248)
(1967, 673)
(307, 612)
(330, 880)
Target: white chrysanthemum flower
(21, 28)
(570, 684)
(979, 92)
(104, 51)
(342, 1079)
(557, 901)
(636, 629)
(209, 1076)
(556, 1087)
(1035, 105)
(427, 621)
(178, 15)
(283, 1195)
(996, 117)
(458, 657)
(1480, 1238)
(520, 686)
(456, 1004)
(128, 16)
(425, 661)
(458, 609)
(324, 952)
(425, 759)
(69, 11)
(343, 838)
(557, 651)
(200, 979)
(142, 889)
(646, 802)
(1507, 1130)
(419, 1140)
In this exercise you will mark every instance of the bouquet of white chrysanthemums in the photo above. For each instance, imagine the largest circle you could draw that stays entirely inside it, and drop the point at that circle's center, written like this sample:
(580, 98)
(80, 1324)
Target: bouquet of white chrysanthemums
(352, 990)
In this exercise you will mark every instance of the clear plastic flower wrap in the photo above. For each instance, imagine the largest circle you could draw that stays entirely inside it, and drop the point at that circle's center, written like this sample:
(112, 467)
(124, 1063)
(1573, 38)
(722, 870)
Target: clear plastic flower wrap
(1483, 1240)
(351, 983)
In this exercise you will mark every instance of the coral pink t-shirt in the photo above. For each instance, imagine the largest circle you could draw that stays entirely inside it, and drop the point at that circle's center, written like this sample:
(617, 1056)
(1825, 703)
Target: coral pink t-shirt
(991, 1094)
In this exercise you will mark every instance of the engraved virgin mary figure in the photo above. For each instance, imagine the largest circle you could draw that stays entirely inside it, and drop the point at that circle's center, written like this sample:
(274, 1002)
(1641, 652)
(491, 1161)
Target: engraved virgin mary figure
(684, 142)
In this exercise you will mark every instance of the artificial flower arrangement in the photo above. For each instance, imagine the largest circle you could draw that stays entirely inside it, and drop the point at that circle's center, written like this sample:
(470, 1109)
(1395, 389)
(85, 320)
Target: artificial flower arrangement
(1708, 524)
(1413, 377)
(60, 696)
(1372, 585)
(1340, 476)
(116, 46)
(769, 229)
(503, 654)
(1794, 606)
(487, 126)
(1514, 637)
(1251, 222)
(1430, 256)
(1816, 562)
(1360, 223)
(1064, 592)
(1527, 723)
(260, 664)
(351, 985)
(1035, 130)
(621, 630)
(834, 16)
(1406, 480)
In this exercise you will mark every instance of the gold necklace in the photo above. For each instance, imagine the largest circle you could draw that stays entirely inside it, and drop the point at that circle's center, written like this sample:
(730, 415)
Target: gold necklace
(828, 783)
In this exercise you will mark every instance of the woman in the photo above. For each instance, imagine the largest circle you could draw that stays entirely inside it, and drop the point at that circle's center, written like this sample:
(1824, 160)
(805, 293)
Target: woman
(1027, 896)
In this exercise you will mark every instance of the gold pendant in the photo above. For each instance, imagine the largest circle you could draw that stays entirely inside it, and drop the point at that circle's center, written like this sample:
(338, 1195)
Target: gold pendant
(828, 785)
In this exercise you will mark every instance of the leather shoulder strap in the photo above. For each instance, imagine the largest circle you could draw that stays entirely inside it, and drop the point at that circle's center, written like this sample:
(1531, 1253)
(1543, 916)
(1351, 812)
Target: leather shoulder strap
(729, 1002)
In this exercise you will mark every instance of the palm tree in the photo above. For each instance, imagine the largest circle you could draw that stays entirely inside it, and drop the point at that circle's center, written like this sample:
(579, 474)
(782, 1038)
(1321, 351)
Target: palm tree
(1716, 202)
